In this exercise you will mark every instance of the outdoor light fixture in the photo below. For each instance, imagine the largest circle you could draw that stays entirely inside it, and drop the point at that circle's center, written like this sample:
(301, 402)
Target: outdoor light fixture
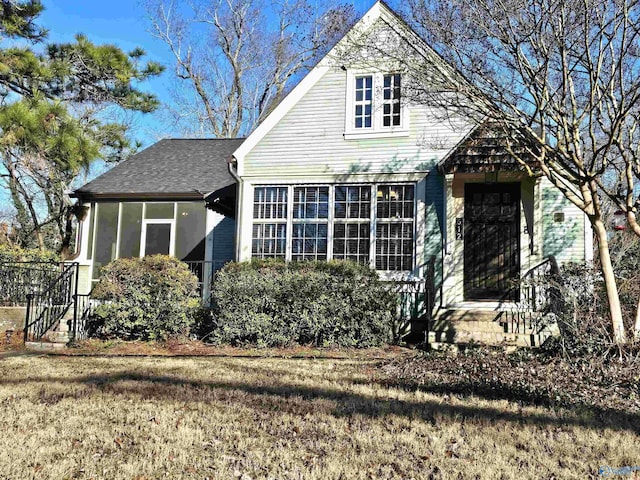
(619, 220)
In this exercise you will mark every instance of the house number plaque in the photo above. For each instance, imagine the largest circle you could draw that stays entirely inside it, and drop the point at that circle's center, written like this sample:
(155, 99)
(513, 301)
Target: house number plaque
(459, 228)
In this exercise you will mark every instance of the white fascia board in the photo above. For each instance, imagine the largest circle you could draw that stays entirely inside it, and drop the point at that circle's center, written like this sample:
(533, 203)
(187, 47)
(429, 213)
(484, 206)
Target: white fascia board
(303, 87)
(378, 11)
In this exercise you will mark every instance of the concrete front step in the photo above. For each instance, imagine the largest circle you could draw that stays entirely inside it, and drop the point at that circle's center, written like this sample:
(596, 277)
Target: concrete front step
(56, 337)
(468, 326)
(44, 346)
(485, 326)
(488, 338)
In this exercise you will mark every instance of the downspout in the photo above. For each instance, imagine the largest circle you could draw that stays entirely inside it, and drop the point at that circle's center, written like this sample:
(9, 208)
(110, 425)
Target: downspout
(234, 173)
(80, 212)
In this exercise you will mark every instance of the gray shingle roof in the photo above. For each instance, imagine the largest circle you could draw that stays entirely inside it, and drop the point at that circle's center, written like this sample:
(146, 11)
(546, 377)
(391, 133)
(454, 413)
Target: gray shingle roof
(178, 167)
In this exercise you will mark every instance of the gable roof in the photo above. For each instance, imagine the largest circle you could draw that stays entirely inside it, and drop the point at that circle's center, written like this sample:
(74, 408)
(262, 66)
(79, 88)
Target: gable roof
(169, 169)
(379, 10)
(488, 148)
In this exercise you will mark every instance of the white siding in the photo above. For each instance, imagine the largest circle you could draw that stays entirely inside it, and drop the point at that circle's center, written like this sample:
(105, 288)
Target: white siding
(309, 140)
(563, 239)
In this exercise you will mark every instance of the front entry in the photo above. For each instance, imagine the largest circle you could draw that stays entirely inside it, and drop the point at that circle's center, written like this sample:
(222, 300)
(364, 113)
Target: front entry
(491, 240)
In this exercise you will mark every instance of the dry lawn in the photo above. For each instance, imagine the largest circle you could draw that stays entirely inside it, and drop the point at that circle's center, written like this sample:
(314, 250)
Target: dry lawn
(284, 418)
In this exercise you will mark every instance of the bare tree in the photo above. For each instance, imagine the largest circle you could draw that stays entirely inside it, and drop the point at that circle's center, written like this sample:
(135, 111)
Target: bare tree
(561, 77)
(236, 58)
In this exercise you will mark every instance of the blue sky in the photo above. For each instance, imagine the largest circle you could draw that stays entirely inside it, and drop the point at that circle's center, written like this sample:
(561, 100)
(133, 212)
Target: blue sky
(124, 24)
(121, 23)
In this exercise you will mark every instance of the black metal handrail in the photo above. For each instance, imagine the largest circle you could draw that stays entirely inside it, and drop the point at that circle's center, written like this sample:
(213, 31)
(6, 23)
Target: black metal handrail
(82, 309)
(200, 270)
(415, 300)
(47, 306)
(18, 279)
(537, 295)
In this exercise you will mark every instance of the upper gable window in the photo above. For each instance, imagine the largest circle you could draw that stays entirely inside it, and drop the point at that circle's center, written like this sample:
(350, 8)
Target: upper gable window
(364, 101)
(391, 100)
(374, 105)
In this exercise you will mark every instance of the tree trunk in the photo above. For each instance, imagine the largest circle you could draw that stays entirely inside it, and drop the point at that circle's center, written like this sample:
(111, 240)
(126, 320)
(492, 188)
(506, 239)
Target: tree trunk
(631, 218)
(610, 282)
(636, 329)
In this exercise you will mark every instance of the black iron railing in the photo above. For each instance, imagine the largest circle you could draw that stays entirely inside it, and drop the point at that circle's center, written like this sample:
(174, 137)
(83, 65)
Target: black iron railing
(415, 300)
(538, 294)
(48, 305)
(83, 307)
(18, 279)
(204, 268)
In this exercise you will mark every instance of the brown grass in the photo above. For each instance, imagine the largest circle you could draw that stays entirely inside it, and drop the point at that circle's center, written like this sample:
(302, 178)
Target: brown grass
(284, 418)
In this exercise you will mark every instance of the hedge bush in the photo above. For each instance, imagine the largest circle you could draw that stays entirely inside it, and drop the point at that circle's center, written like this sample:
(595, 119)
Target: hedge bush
(146, 298)
(14, 253)
(271, 303)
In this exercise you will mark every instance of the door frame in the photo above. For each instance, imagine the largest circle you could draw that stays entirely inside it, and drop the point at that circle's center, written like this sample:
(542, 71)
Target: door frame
(516, 188)
(172, 234)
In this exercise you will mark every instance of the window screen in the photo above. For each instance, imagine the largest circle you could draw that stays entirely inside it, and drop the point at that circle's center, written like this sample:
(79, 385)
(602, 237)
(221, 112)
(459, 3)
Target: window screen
(130, 230)
(106, 236)
(190, 231)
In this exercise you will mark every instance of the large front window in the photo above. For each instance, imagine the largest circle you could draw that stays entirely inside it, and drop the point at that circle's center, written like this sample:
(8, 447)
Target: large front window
(370, 224)
(394, 228)
(352, 220)
(269, 238)
(310, 223)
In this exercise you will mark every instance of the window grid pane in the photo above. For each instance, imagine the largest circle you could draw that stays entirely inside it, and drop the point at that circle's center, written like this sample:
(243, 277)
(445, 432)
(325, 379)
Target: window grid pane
(269, 240)
(351, 242)
(394, 246)
(311, 202)
(352, 202)
(309, 241)
(363, 101)
(395, 201)
(394, 230)
(270, 202)
(391, 100)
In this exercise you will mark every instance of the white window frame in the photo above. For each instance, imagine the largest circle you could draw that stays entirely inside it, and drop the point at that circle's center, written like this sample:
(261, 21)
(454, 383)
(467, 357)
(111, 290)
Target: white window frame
(318, 220)
(165, 221)
(286, 221)
(331, 220)
(377, 128)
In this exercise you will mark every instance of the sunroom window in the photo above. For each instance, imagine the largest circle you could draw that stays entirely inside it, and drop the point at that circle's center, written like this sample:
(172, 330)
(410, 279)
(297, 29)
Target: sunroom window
(351, 231)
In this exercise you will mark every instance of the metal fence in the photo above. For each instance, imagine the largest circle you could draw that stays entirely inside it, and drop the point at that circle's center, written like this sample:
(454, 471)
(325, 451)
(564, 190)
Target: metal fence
(19, 279)
(46, 307)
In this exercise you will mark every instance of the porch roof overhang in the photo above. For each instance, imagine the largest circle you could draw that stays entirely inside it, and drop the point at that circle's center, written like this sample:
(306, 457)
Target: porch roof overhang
(222, 201)
(169, 170)
(491, 148)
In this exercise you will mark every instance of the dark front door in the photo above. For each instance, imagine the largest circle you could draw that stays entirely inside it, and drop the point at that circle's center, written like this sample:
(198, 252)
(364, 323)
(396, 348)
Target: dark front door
(491, 240)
